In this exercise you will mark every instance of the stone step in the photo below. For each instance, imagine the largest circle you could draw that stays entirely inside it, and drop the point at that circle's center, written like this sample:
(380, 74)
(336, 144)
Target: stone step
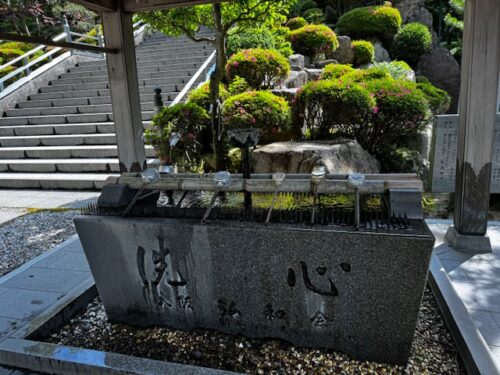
(66, 181)
(92, 76)
(144, 51)
(61, 129)
(99, 96)
(109, 165)
(46, 103)
(98, 65)
(64, 119)
(63, 152)
(181, 78)
(59, 140)
(100, 70)
(67, 110)
(170, 55)
(154, 60)
(101, 86)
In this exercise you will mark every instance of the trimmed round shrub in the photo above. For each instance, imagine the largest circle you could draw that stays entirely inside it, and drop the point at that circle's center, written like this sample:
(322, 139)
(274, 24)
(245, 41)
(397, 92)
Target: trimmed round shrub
(364, 52)
(238, 85)
(25, 47)
(332, 108)
(335, 71)
(401, 109)
(382, 22)
(175, 135)
(366, 75)
(296, 23)
(439, 100)
(257, 109)
(8, 54)
(262, 69)
(265, 38)
(201, 95)
(397, 69)
(411, 42)
(313, 39)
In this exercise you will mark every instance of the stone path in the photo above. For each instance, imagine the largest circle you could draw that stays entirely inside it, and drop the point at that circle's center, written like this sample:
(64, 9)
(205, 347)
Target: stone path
(14, 203)
(476, 281)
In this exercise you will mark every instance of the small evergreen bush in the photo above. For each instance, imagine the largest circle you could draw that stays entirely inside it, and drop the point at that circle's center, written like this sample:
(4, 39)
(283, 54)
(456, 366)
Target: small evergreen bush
(397, 69)
(262, 69)
(332, 108)
(382, 22)
(401, 109)
(265, 38)
(238, 85)
(296, 23)
(335, 71)
(411, 42)
(366, 75)
(257, 109)
(439, 100)
(313, 39)
(175, 135)
(364, 52)
(201, 95)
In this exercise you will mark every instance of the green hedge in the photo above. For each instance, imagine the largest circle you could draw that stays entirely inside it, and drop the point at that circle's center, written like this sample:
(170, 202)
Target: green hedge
(411, 42)
(187, 121)
(332, 108)
(439, 100)
(334, 71)
(382, 22)
(364, 52)
(265, 38)
(296, 23)
(313, 39)
(262, 69)
(397, 69)
(257, 109)
(201, 95)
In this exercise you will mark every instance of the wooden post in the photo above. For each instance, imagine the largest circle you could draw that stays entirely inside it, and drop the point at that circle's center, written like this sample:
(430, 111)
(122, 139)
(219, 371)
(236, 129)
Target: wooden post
(123, 82)
(478, 97)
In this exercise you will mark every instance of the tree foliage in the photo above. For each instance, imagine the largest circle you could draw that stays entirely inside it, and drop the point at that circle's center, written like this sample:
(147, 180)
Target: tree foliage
(41, 17)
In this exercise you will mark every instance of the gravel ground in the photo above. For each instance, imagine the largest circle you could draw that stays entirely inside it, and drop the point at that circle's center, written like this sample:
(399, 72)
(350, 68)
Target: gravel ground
(29, 236)
(433, 350)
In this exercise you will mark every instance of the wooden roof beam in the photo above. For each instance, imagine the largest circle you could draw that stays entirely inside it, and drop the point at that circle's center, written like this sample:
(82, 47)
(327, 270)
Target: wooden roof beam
(98, 6)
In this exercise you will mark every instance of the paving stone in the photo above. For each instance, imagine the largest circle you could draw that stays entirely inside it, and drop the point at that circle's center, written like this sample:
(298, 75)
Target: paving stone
(487, 326)
(65, 261)
(25, 304)
(7, 326)
(40, 279)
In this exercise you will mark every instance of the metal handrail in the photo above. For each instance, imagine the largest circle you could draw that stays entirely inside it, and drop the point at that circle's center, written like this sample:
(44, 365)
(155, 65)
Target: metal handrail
(193, 80)
(31, 52)
(67, 34)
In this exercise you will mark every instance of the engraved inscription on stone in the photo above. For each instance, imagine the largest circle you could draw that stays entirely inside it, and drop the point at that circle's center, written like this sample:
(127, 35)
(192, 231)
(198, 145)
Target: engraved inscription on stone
(445, 146)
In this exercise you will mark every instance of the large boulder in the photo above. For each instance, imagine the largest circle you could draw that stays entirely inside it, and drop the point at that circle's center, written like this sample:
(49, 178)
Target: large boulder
(296, 79)
(338, 156)
(344, 54)
(441, 68)
(297, 62)
(381, 53)
(314, 74)
(414, 11)
(288, 94)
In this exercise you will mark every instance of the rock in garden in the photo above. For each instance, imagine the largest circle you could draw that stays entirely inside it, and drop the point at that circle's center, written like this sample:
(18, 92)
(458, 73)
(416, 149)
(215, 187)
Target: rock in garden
(414, 11)
(381, 53)
(344, 54)
(296, 79)
(441, 68)
(314, 74)
(288, 94)
(322, 64)
(338, 156)
(297, 62)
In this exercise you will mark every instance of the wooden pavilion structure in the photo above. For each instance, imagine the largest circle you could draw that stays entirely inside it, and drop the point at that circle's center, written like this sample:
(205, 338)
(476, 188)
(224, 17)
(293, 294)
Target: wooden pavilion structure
(477, 108)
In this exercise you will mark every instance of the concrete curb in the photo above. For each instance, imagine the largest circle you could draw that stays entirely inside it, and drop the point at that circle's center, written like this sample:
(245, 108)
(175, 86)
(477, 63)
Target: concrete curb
(471, 345)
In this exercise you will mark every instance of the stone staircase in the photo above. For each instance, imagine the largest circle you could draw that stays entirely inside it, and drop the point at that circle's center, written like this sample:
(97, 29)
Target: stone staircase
(63, 136)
